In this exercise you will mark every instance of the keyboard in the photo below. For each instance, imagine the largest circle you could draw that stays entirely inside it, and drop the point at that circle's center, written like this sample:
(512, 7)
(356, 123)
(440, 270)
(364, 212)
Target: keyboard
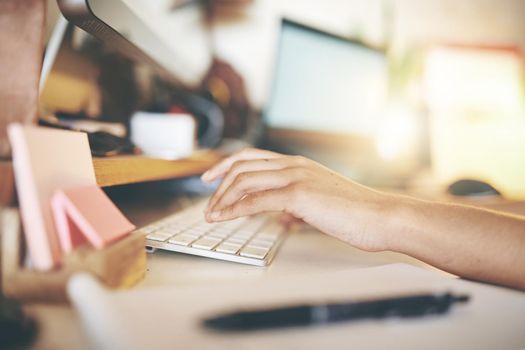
(252, 240)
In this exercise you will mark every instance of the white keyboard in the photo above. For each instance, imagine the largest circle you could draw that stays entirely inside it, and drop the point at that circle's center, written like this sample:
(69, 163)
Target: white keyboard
(252, 240)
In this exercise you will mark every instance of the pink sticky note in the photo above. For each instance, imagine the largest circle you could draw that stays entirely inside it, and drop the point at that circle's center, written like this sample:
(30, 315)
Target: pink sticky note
(88, 211)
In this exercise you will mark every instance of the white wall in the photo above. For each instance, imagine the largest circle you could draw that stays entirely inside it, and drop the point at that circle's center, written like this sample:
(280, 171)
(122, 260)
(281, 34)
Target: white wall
(469, 21)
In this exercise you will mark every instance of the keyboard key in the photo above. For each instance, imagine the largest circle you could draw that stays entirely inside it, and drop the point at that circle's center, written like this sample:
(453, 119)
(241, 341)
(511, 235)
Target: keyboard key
(243, 235)
(254, 224)
(193, 232)
(182, 239)
(165, 232)
(236, 240)
(270, 236)
(222, 230)
(207, 243)
(254, 252)
(234, 224)
(228, 248)
(176, 226)
(220, 235)
(202, 228)
(149, 229)
(160, 236)
(171, 231)
(260, 243)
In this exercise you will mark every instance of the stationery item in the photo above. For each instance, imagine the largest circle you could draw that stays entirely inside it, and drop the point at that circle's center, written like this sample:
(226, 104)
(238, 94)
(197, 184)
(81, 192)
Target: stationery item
(166, 311)
(306, 315)
(87, 212)
(120, 265)
(44, 161)
(164, 135)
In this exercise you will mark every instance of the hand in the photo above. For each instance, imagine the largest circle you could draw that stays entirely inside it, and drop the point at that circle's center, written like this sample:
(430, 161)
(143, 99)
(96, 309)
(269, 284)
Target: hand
(256, 181)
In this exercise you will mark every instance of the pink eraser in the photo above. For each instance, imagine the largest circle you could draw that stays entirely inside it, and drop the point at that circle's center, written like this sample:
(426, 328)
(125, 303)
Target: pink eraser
(91, 212)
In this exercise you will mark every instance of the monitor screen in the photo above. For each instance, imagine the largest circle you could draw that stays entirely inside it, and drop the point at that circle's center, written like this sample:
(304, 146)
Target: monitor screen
(325, 83)
(159, 33)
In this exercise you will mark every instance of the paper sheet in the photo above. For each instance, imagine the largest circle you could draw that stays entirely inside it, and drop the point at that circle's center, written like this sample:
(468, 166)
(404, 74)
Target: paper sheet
(167, 318)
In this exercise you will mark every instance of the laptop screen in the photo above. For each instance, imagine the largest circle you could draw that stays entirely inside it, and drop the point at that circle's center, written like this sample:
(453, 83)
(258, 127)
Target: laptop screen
(325, 83)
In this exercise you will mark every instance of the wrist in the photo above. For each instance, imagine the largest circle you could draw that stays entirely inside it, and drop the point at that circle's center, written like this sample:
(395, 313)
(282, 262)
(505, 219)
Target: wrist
(401, 216)
(381, 221)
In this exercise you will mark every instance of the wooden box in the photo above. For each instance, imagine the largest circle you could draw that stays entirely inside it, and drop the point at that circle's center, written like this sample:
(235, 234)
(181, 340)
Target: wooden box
(119, 265)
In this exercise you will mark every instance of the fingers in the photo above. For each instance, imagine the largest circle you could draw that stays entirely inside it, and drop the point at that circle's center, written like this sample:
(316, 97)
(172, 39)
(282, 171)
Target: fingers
(255, 203)
(240, 167)
(246, 154)
(257, 181)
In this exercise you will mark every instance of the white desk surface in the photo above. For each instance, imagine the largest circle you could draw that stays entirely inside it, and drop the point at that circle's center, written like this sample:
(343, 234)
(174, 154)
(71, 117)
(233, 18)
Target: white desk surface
(303, 253)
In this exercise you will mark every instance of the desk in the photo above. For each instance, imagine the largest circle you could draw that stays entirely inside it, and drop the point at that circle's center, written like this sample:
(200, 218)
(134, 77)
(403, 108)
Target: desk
(305, 251)
(302, 251)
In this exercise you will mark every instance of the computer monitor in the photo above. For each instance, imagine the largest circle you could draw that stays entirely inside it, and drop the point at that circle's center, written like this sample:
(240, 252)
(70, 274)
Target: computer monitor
(173, 41)
(326, 84)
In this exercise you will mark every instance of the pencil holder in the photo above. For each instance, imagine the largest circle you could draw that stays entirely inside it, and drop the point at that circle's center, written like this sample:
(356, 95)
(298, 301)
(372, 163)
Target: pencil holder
(120, 265)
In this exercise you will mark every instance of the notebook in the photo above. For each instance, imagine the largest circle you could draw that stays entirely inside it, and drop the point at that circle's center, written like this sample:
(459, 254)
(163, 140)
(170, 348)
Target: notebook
(44, 161)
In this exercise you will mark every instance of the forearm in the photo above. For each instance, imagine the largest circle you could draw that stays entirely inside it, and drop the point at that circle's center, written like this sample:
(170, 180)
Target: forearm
(473, 243)
(470, 242)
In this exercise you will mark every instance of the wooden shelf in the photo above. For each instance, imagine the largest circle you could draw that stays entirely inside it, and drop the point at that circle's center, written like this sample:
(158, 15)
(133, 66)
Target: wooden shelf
(123, 170)
(132, 169)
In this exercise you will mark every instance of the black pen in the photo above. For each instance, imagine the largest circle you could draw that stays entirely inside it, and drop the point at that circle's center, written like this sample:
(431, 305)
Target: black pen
(305, 315)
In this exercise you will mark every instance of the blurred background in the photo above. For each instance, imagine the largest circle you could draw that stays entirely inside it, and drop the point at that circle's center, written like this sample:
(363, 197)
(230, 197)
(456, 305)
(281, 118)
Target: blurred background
(392, 93)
